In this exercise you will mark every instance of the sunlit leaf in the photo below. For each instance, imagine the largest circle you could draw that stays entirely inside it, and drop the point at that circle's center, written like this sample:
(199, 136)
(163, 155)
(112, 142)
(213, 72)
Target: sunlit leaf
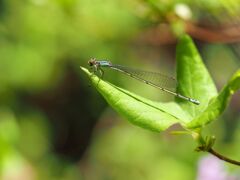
(193, 78)
(218, 104)
(194, 81)
(138, 110)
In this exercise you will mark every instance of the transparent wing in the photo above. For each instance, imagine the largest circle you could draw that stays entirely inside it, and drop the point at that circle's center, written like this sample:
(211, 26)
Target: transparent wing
(158, 79)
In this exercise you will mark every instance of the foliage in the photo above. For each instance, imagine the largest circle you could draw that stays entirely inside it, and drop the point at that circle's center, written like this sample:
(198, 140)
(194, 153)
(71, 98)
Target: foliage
(193, 81)
(42, 44)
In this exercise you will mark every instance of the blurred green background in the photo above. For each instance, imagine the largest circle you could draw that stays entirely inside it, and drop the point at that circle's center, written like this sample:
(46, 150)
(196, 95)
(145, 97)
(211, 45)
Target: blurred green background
(54, 125)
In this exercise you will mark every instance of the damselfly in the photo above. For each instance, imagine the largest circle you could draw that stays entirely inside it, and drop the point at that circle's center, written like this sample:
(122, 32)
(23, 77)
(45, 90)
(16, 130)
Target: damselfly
(154, 79)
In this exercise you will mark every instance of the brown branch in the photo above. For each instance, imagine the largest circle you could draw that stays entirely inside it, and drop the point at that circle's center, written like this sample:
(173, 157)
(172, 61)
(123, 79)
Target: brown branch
(162, 34)
(223, 157)
(223, 34)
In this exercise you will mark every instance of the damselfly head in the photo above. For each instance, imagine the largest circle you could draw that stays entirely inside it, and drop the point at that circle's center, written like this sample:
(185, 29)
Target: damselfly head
(92, 61)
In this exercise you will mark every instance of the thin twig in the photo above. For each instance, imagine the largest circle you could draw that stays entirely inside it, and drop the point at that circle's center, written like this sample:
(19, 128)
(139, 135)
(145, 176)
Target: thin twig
(223, 157)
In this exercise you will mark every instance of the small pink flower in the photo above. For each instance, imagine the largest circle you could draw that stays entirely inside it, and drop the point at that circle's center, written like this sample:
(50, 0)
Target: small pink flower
(211, 168)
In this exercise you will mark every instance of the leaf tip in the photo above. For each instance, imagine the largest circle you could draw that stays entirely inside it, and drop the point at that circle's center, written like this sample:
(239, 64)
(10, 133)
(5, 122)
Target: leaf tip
(185, 37)
(85, 70)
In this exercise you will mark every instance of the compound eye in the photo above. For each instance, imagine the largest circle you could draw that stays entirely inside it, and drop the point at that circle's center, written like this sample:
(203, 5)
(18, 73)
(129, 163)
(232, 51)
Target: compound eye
(90, 63)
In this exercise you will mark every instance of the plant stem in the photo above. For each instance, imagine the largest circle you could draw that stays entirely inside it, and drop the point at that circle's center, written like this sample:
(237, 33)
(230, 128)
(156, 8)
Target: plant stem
(223, 157)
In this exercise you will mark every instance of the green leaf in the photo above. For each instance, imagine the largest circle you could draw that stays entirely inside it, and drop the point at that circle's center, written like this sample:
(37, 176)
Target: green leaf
(217, 104)
(193, 77)
(138, 110)
(193, 81)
